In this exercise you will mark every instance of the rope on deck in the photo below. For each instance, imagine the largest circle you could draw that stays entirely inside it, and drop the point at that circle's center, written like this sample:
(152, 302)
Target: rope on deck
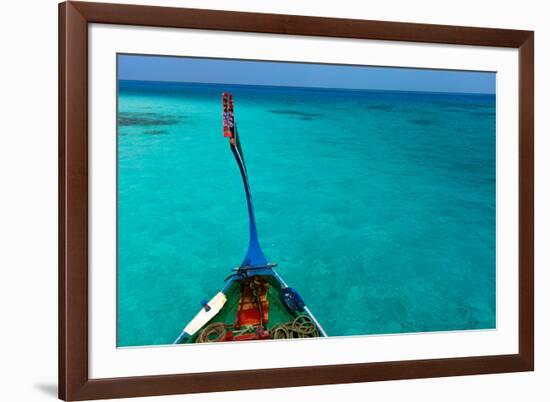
(301, 327)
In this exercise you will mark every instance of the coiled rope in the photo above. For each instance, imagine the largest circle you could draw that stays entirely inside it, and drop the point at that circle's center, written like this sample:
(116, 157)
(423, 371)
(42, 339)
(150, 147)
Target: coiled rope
(301, 327)
(214, 332)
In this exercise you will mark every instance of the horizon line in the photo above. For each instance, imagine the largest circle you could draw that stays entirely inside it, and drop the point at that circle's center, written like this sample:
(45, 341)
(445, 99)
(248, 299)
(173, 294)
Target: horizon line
(312, 87)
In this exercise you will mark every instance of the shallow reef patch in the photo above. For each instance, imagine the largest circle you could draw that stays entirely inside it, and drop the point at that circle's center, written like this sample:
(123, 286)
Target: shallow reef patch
(126, 119)
(297, 114)
(422, 122)
(154, 132)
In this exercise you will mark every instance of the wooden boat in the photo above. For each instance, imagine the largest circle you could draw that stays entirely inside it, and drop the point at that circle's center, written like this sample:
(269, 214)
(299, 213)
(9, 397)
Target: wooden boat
(255, 303)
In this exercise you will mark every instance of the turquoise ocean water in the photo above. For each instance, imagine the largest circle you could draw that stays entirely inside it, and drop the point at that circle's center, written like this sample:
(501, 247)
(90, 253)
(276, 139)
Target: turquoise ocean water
(379, 207)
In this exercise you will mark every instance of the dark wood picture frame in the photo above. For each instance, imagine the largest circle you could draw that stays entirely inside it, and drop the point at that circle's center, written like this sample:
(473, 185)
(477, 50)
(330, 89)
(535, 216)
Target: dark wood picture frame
(74, 381)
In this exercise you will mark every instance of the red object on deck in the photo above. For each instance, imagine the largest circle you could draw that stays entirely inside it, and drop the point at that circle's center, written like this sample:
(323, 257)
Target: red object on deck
(252, 336)
(246, 337)
(248, 312)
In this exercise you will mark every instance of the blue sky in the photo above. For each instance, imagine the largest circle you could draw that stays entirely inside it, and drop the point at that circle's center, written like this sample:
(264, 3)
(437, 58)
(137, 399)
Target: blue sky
(223, 71)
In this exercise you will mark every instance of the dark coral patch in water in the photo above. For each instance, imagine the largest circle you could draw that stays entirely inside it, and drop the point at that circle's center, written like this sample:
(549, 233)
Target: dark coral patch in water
(146, 119)
(296, 114)
(490, 114)
(422, 122)
(154, 132)
(380, 107)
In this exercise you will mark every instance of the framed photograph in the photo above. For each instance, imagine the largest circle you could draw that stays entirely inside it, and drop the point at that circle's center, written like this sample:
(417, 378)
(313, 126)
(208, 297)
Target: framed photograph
(259, 200)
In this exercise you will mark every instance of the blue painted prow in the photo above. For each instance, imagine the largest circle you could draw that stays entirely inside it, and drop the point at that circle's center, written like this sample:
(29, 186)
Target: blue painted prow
(255, 262)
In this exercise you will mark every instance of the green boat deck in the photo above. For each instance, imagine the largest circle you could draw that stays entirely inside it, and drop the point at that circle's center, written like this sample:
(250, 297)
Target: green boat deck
(278, 312)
